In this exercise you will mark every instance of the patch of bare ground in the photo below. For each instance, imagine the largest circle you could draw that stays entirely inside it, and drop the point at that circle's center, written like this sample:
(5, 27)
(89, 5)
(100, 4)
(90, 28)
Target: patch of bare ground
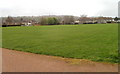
(16, 61)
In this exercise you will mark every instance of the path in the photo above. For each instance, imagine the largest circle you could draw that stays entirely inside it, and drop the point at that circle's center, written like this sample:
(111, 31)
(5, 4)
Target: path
(16, 61)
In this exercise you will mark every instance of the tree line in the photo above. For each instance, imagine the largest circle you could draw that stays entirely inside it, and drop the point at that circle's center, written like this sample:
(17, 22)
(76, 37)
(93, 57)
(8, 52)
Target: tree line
(56, 20)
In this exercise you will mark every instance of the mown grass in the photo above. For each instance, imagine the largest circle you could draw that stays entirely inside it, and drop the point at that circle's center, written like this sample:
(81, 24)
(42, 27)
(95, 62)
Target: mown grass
(96, 42)
(0, 37)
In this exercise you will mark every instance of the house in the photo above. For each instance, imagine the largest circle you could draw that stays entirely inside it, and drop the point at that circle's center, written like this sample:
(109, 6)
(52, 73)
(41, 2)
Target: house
(77, 22)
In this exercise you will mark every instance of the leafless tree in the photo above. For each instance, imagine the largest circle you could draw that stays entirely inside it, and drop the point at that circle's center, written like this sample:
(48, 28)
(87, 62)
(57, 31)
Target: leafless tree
(9, 20)
(83, 19)
(68, 19)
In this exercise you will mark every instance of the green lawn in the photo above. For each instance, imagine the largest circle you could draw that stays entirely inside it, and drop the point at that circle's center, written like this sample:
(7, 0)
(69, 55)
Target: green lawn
(96, 42)
(0, 37)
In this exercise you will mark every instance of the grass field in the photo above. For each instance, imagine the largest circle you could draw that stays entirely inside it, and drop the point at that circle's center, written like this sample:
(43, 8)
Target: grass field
(96, 42)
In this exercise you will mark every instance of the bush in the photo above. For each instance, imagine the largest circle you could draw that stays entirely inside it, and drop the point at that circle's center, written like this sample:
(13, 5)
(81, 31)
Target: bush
(52, 21)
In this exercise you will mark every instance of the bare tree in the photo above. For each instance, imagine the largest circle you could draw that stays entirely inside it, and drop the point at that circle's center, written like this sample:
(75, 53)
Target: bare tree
(43, 21)
(9, 20)
(68, 19)
(83, 19)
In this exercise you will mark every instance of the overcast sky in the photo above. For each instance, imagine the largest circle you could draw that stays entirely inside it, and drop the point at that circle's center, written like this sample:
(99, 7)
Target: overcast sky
(59, 7)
